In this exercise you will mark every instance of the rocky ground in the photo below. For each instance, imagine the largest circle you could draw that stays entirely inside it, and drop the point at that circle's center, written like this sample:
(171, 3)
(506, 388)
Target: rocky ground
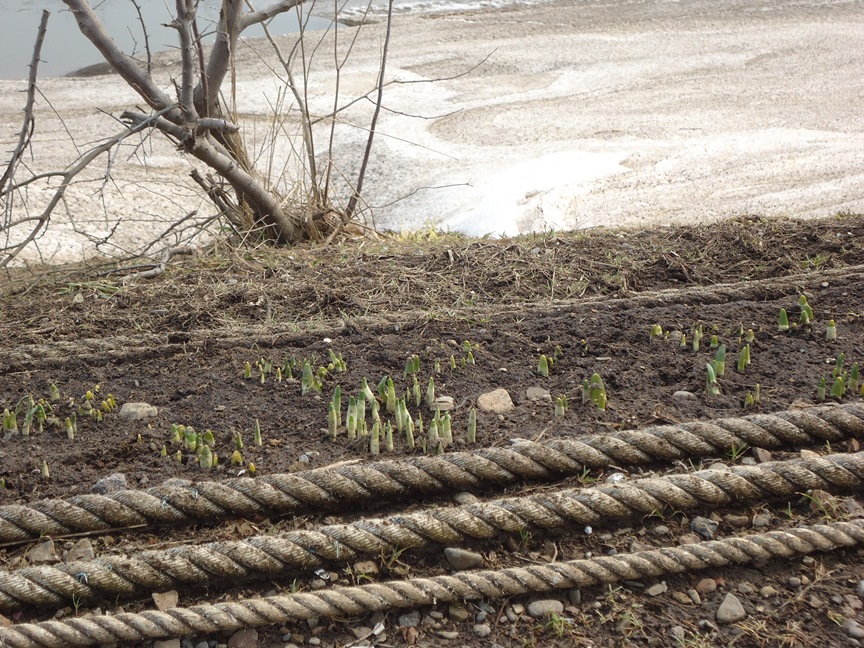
(180, 343)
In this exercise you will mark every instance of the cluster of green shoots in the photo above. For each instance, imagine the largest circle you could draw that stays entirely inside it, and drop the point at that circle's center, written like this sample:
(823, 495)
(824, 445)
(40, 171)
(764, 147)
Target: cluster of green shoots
(311, 379)
(545, 363)
(35, 413)
(201, 448)
(841, 381)
(593, 391)
(805, 318)
(376, 416)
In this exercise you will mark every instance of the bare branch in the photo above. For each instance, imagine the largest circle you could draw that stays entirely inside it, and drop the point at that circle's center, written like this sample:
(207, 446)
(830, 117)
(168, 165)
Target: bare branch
(220, 56)
(146, 36)
(167, 253)
(352, 203)
(255, 17)
(29, 121)
(126, 66)
(183, 24)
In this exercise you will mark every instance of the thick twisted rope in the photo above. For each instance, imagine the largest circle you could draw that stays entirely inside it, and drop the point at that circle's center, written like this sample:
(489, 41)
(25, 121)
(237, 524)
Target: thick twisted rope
(265, 556)
(332, 488)
(341, 602)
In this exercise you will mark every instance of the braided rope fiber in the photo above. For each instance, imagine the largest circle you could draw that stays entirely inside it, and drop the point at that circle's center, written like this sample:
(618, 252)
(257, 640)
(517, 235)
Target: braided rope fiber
(266, 556)
(334, 488)
(341, 602)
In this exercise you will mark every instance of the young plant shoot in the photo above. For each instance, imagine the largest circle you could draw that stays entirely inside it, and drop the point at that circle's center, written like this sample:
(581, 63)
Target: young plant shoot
(472, 426)
(543, 366)
(711, 380)
(783, 320)
(831, 331)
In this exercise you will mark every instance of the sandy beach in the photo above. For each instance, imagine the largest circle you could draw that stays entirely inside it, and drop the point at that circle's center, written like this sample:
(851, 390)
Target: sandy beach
(596, 114)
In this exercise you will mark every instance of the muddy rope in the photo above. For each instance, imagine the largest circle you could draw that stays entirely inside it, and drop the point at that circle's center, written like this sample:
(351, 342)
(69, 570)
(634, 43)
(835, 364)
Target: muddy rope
(332, 488)
(341, 602)
(268, 555)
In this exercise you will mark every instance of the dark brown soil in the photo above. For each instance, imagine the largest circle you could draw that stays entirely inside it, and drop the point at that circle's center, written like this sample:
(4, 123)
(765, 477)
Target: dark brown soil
(181, 341)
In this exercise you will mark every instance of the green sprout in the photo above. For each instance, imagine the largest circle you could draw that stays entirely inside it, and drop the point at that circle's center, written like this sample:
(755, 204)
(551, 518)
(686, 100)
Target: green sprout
(820, 392)
(656, 331)
(437, 367)
(743, 358)
(366, 391)
(752, 399)
(238, 441)
(804, 319)
(236, 458)
(543, 366)
(412, 366)
(683, 343)
(560, 407)
(163, 452)
(256, 435)
(388, 437)
(838, 388)
(206, 458)
(332, 421)
(838, 366)
(55, 393)
(191, 439)
(391, 396)
(46, 474)
(307, 381)
(783, 320)
(70, 429)
(597, 392)
(711, 380)
(831, 331)
(452, 362)
(558, 352)
(10, 424)
(697, 337)
(252, 469)
(472, 426)
(278, 374)
(715, 342)
(750, 336)
(445, 429)
(409, 431)
(208, 439)
(247, 370)
(720, 361)
(805, 308)
(28, 420)
(430, 392)
(373, 438)
(853, 383)
(470, 358)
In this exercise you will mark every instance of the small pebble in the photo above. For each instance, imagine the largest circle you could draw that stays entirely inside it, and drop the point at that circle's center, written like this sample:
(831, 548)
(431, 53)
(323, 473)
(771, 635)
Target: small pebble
(767, 592)
(657, 589)
(448, 634)
(545, 607)
(409, 619)
(461, 559)
(730, 610)
(793, 582)
(706, 586)
(704, 527)
(482, 630)
(853, 629)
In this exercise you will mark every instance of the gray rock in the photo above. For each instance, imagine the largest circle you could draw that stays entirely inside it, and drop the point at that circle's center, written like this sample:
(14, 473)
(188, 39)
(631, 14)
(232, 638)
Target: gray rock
(761, 455)
(409, 619)
(497, 401)
(767, 592)
(704, 527)
(538, 394)
(706, 586)
(313, 641)
(465, 498)
(853, 629)
(657, 589)
(244, 639)
(730, 610)
(461, 559)
(167, 643)
(544, 608)
(575, 596)
(137, 411)
(165, 600)
(684, 395)
(448, 634)
(457, 612)
(443, 403)
(793, 582)
(42, 553)
(111, 483)
(202, 644)
(482, 630)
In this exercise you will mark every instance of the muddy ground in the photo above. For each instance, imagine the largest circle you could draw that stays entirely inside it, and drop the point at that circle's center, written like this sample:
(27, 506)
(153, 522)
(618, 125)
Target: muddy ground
(180, 341)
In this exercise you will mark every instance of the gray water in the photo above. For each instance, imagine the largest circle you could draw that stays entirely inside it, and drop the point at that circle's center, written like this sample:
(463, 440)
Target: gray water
(66, 50)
